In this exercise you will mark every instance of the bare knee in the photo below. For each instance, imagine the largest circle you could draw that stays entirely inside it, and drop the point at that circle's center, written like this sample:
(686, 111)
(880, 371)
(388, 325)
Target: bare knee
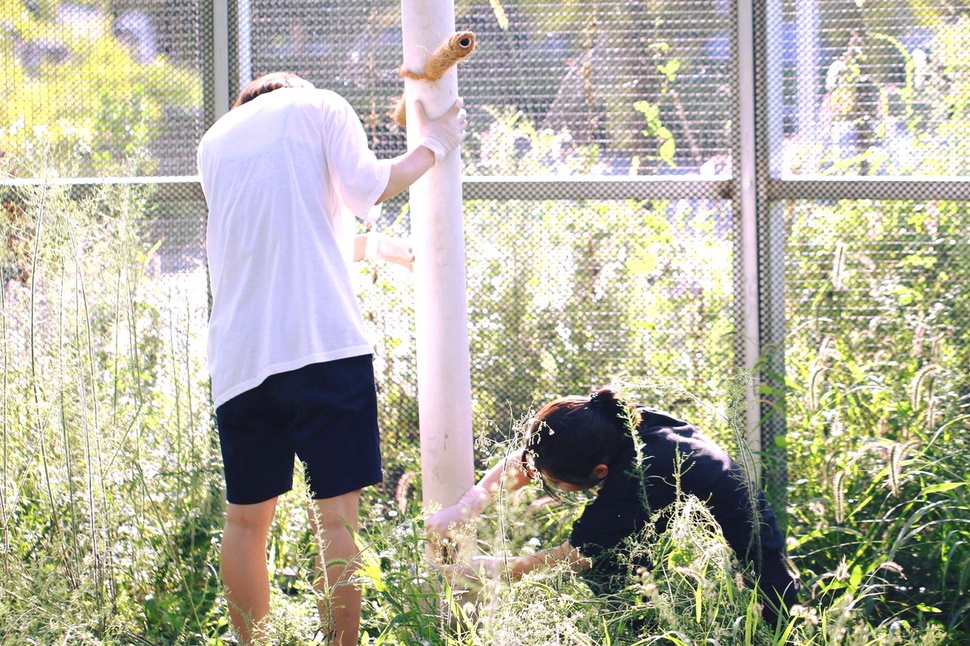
(250, 519)
(336, 515)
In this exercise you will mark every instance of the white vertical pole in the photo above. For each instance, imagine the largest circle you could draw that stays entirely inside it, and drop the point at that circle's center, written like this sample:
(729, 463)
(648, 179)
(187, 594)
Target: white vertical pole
(806, 66)
(440, 302)
(244, 48)
(749, 215)
(220, 57)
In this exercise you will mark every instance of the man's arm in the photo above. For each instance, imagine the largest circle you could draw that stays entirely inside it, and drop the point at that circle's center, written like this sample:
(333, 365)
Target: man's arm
(438, 138)
(406, 169)
(509, 474)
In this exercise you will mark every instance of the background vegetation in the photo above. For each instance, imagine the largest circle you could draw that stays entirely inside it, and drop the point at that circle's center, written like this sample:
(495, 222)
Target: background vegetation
(110, 483)
(111, 487)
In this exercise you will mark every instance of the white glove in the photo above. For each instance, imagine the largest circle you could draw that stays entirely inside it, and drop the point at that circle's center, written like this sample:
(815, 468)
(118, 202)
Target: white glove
(489, 567)
(470, 506)
(388, 249)
(475, 573)
(441, 135)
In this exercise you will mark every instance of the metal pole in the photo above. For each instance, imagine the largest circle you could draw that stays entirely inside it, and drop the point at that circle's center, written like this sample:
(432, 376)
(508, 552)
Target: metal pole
(220, 57)
(440, 301)
(747, 203)
(806, 66)
(244, 40)
(771, 254)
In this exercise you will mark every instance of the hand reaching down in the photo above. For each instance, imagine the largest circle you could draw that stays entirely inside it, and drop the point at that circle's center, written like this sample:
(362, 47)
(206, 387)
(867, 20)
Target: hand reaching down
(450, 518)
(475, 573)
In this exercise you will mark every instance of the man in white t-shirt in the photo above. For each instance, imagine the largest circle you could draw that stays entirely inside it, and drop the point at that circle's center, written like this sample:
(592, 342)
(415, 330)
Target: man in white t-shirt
(285, 173)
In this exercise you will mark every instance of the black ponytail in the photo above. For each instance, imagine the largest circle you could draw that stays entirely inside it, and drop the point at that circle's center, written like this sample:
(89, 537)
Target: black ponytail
(571, 435)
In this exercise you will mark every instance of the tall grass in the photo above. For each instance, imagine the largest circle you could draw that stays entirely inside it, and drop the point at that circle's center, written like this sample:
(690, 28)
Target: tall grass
(110, 473)
(111, 493)
(695, 593)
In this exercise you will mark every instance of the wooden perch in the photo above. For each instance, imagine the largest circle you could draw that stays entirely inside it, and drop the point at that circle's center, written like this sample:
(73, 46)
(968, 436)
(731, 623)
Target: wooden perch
(449, 53)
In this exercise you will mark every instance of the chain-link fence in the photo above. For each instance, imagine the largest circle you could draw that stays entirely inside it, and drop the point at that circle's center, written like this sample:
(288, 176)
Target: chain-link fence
(671, 193)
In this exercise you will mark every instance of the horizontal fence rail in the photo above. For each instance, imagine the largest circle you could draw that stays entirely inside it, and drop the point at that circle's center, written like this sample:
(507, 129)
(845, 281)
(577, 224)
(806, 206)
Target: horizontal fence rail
(615, 188)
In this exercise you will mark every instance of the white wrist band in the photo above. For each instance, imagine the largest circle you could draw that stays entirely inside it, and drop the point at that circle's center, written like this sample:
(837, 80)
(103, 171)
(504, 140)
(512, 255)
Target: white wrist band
(371, 245)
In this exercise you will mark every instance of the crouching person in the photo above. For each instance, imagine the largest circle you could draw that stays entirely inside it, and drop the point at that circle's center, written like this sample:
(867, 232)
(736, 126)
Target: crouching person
(634, 461)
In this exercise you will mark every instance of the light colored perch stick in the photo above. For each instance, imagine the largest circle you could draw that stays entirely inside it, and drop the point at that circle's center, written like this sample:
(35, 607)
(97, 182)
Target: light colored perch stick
(450, 52)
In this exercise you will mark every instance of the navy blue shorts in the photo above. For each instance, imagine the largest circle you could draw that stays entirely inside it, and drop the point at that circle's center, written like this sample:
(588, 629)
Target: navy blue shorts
(324, 413)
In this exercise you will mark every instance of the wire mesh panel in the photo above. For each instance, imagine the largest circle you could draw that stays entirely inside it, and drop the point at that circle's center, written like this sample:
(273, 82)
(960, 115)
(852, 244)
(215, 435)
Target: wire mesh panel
(594, 91)
(877, 283)
(633, 88)
(110, 90)
(865, 106)
(102, 88)
(572, 295)
(643, 84)
(569, 295)
(577, 88)
(872, 88)
(877, 308)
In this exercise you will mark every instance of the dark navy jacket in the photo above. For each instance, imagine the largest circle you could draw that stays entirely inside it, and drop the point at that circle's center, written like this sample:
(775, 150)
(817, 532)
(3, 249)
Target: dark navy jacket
(629, 497)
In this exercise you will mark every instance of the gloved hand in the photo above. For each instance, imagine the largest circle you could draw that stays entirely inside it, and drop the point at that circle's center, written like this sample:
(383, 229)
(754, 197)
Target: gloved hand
(441, 135)
(479, 571)
(396, 250)
(469, 507)
(488, 567)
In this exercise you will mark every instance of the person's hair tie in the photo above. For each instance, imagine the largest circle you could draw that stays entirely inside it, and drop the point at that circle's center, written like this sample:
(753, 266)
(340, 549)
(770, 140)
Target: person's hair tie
(601, 399)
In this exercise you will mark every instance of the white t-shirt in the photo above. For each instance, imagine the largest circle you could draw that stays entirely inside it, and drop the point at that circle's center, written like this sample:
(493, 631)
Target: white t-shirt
(283, 176)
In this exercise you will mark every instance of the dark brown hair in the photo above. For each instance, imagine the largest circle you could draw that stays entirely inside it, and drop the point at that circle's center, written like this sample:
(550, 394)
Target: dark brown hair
(268, 83)
(571, 435)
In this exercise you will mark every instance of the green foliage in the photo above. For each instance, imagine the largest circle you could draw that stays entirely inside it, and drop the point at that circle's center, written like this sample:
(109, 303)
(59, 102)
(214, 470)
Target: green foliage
(109, 485)
(655, 128)
(877, 440)
(406, 602)
(92, 108)
(693, 595)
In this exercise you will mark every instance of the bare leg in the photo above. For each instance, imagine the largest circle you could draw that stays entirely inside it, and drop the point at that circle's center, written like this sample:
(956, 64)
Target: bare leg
(334, 522)
(244, 572)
